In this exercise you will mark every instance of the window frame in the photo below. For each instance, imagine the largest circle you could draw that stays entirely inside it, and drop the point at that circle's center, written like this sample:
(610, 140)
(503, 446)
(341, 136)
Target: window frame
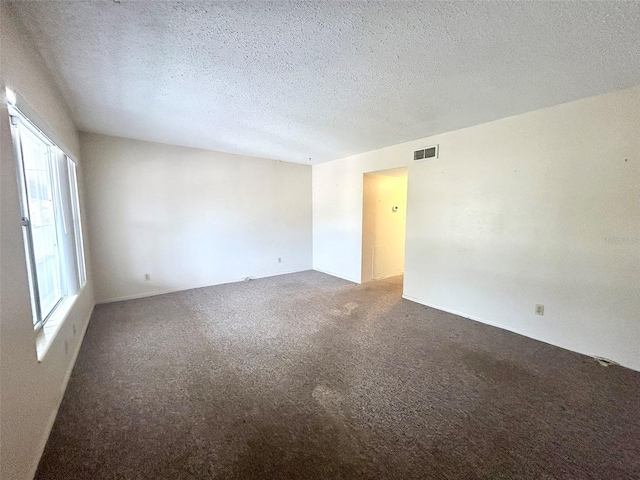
(74, 187)
(68, 263)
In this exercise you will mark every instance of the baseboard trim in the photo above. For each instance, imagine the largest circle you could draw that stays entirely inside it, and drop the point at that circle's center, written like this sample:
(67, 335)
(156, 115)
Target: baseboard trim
(175, 290)
(136, 296)
(517, 331)
(475, 318)
(343, 277)
(65, 382)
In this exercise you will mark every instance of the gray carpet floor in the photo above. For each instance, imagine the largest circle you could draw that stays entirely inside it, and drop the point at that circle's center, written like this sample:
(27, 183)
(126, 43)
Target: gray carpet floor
(307, 376)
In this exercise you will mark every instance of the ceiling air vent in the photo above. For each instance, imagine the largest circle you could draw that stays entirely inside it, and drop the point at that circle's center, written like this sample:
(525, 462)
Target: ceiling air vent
(425, 153)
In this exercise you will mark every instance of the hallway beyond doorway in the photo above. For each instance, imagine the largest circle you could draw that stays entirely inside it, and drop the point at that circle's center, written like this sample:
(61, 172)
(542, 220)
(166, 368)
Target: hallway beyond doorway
(384, 219)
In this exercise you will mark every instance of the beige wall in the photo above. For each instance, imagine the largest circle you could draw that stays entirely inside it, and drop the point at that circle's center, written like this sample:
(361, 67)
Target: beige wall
(30, 392)
(189, 217)
(383, 229)
(540, 208)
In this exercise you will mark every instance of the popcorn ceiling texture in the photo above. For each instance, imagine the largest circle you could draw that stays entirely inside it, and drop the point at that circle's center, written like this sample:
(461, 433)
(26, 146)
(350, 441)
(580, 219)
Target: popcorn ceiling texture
(306, 376)
(293, 80)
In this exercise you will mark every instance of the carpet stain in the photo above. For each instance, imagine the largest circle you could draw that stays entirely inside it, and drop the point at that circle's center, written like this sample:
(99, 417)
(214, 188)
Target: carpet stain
(487, 365)
(346, 311)
(350, 307)
(329, 399)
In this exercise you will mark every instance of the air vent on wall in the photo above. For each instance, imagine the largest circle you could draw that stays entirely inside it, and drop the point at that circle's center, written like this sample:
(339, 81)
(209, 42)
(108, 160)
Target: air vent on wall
(425, 153)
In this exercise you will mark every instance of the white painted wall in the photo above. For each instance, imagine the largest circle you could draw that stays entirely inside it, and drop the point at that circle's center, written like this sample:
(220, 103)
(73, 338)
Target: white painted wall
(190, 217)
(538, 208)
(383, 229)
(30, 392)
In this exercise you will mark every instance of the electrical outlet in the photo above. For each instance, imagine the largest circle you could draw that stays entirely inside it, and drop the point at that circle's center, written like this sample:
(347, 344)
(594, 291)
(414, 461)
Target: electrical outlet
(539, 309)
(147, 276)
(279, 259)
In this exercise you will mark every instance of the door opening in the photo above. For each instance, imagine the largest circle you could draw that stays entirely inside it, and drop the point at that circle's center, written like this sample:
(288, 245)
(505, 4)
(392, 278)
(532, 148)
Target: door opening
(384, 219)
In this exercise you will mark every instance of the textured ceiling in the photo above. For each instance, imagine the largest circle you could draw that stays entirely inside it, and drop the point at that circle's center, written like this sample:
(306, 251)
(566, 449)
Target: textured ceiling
(322, 80)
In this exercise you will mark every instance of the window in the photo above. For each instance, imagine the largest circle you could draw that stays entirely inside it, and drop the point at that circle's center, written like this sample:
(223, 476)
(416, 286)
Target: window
(50, 218)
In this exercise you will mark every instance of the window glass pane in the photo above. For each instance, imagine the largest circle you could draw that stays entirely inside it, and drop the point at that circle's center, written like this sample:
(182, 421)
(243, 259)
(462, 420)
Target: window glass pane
(77, 224)
(38, 176)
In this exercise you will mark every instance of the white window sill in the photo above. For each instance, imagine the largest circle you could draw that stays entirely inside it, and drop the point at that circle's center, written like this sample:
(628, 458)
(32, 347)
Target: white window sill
(45, 336)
